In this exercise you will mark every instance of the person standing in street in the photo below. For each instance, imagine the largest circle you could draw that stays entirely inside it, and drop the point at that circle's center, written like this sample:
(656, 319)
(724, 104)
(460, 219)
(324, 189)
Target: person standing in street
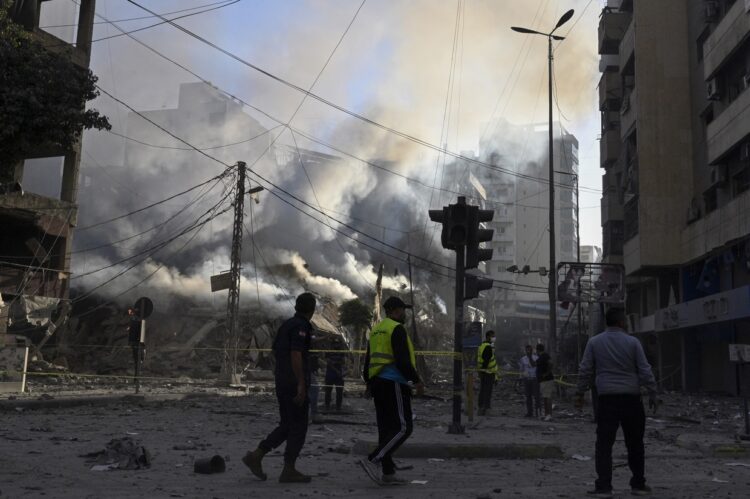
(487, 367)
(530, 383)
(335, 363)
(621, 369)
(390, 371)
(291, 347)
(546, 380)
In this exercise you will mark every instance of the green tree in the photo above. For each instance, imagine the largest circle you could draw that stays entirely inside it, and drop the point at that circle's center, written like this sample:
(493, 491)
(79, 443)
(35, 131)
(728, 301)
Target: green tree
(355, 314)
(42, 96)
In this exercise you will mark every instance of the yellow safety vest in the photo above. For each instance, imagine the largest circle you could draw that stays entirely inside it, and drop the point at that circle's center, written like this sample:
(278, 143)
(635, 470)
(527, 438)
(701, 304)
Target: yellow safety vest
(381, 349)
(491, 365)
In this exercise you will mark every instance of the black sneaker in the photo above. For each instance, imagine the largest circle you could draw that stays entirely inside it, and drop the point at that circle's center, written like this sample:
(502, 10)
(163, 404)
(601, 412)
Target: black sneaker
(604, 493)
(644, 490)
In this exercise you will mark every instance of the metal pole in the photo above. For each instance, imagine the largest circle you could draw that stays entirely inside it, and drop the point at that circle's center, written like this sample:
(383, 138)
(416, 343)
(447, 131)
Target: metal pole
(552, 262)
(456, 427)
(578, 258)
(233, 297)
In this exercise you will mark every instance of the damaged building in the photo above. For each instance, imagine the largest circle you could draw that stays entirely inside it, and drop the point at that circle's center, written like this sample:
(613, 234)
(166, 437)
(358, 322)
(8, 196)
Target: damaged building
(38, 217)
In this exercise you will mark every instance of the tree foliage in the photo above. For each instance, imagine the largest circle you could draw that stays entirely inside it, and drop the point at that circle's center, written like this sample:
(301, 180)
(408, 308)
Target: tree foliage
(42, 96)
(355, 314)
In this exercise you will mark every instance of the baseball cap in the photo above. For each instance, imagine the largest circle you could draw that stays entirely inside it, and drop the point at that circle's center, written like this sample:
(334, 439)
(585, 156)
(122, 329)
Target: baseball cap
(394, 302)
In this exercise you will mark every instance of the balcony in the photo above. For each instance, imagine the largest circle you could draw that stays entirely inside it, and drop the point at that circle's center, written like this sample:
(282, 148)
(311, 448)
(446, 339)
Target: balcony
(610, 91)
(728, 128)
(627, 45)
(612, 26)
(610, 146)
(612, 209)
(628, 113)
(630, 218)
(726, 37)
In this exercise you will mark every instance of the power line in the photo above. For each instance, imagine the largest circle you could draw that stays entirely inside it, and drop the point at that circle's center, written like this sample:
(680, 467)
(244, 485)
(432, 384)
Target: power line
(134, 18)
(322, 100)
(125, 215)
(190, 148)
(296, 198)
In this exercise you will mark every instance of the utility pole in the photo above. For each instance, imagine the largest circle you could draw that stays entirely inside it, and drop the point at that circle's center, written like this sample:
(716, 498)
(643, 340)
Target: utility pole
(578, 259)
(552, 259)
(231, 342)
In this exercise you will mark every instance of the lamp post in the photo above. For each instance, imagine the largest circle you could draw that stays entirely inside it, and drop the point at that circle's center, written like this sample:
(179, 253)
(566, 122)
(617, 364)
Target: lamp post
(552, 260)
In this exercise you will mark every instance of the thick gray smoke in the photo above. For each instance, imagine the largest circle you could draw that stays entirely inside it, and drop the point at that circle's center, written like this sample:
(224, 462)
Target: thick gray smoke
(393, 66)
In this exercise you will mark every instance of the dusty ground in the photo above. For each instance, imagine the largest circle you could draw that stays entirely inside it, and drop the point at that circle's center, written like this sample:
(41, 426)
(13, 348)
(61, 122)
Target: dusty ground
(41, 448)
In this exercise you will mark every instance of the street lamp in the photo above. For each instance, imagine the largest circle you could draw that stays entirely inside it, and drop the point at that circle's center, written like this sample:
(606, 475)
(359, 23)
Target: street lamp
(552, 263)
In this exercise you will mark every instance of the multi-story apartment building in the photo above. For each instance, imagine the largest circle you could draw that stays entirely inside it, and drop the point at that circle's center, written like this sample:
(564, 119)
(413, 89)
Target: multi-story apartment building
(521, 223)
(36, 239)
(675, 150)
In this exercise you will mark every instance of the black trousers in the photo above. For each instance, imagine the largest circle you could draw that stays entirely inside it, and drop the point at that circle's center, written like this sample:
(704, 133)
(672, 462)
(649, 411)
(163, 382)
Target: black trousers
(486, 382)
(614, 411)
(393, 413)
(533, 399)
(292, 427)
(334, 379)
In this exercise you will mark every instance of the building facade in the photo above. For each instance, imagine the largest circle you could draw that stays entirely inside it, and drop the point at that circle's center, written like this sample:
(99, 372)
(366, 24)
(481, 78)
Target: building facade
(37, 230)
(675, 151)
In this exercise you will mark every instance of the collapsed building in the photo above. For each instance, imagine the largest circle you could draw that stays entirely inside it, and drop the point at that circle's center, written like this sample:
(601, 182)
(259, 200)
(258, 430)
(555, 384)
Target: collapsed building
(36, 240)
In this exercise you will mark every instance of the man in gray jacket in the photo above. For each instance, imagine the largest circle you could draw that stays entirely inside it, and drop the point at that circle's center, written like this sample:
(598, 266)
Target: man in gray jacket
(621, 370)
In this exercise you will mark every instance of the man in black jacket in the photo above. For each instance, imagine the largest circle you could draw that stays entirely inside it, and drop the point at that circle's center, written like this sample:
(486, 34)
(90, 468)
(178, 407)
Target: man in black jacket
(291, 347)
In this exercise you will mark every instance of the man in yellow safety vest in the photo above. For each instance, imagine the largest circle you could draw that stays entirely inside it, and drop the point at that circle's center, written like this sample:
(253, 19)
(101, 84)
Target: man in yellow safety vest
(390, 371)
(487, 367)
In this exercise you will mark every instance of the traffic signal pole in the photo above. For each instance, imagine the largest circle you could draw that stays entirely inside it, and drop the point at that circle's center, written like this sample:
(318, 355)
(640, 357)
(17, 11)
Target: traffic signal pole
(456, 427)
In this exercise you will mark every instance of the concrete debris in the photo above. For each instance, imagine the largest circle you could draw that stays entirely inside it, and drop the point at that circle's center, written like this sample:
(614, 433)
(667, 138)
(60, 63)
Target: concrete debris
(120, 453)
(579, 457)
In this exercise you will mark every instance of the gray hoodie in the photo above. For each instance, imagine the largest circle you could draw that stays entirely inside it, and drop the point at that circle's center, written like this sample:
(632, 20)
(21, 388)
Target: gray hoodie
(619, 363)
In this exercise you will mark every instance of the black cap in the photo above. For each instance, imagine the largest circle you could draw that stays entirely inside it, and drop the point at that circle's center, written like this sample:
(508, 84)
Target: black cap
(394, 302)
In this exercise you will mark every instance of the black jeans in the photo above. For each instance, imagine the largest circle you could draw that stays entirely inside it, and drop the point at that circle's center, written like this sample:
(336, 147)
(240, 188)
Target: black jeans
(486, 382)
(292, 427)
(614, 411)
(533, 401)
(393, 413)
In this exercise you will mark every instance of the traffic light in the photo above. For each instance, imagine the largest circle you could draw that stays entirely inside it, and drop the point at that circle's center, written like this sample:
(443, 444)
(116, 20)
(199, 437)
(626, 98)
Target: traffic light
(476, 236)
(455, 220)
(474, 284)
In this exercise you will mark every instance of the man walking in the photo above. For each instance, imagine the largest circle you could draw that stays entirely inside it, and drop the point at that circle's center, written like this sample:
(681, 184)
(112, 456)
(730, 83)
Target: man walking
(530, 383)
(546, 379)
(487, 367)
(291, 348)
(621, 369)
(390, 371)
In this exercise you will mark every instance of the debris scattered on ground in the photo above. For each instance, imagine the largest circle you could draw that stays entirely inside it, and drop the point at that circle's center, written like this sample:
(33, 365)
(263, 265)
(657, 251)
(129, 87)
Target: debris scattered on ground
(120, 453)
(579, 457)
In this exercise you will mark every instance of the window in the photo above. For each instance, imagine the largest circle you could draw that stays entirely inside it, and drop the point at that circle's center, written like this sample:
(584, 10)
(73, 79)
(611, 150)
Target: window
(710, 200)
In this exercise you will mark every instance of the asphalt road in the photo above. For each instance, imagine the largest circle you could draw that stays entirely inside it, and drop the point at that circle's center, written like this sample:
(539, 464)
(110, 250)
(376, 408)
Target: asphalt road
(41, 449)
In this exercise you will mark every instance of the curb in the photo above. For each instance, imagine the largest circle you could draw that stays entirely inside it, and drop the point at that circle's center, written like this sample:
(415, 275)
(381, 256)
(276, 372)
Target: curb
(103, 400)
(468, 451)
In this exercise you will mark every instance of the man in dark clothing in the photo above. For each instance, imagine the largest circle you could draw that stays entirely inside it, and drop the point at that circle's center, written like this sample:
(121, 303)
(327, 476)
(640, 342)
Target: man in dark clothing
(621, 368)
(335, 362)
(134, 335)
(390, 372)
(546, 379)
(487, 367)
(291, 348)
